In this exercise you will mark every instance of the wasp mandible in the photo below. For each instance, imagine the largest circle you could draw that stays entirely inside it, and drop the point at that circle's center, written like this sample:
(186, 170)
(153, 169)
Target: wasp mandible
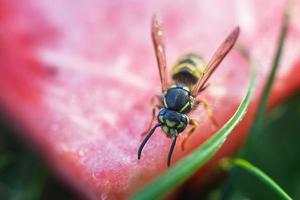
(189, 79)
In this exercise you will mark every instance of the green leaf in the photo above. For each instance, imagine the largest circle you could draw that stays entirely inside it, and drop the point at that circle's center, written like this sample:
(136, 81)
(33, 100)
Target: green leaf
(227, 164)
(176, 175)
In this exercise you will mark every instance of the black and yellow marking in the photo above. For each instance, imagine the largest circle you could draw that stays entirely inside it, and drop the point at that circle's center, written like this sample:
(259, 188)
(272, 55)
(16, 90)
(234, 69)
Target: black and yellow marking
(161, 119)
(165, 102)
(169, 132)
(188, 69)
(170, 123)
(188, 104)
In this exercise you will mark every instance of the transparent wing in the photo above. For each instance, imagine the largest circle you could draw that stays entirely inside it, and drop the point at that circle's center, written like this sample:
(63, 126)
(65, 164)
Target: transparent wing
(159, 47)
(215, 61)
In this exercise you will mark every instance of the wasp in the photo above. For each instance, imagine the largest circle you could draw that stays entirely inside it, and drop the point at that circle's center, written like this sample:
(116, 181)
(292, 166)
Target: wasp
(179, 97)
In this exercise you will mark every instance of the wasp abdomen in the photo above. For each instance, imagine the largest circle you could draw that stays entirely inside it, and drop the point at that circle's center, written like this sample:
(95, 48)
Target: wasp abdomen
(188, 69)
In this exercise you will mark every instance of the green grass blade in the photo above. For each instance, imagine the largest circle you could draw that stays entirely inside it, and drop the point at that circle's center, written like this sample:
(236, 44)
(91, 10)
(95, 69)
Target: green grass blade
(227, 164)
(191, 163)
(260, 115)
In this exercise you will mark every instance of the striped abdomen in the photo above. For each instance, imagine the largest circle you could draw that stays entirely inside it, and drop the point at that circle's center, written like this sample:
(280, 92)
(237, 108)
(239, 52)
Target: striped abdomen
(188, 69)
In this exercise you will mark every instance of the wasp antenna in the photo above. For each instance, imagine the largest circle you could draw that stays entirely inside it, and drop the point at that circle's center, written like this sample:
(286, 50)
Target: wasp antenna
(146, 139)
(171, 151)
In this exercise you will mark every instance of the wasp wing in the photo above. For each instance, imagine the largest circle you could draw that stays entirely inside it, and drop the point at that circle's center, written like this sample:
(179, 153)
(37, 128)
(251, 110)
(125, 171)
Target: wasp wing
(159, 47)
(215, 61)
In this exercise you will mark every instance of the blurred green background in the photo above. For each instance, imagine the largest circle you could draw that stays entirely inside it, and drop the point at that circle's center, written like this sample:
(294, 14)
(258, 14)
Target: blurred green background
(276, 152)
(23, 175)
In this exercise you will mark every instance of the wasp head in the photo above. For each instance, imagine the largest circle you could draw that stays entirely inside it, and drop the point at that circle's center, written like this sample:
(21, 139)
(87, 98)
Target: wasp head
(172, 122)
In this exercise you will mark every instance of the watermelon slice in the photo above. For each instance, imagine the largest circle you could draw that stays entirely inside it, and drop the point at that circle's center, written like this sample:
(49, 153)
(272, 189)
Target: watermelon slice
(77, 78)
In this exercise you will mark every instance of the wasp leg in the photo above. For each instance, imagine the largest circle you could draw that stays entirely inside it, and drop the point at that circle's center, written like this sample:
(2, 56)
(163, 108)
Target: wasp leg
(209, 111)
(194, 125)
(155, 106)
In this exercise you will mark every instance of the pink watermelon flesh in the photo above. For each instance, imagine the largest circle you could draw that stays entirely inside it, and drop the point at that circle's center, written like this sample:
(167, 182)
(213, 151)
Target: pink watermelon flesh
(77, 78)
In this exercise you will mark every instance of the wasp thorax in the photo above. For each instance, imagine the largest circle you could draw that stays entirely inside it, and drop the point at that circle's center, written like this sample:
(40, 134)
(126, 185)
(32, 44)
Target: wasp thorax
(172, 122)
(178, 98)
